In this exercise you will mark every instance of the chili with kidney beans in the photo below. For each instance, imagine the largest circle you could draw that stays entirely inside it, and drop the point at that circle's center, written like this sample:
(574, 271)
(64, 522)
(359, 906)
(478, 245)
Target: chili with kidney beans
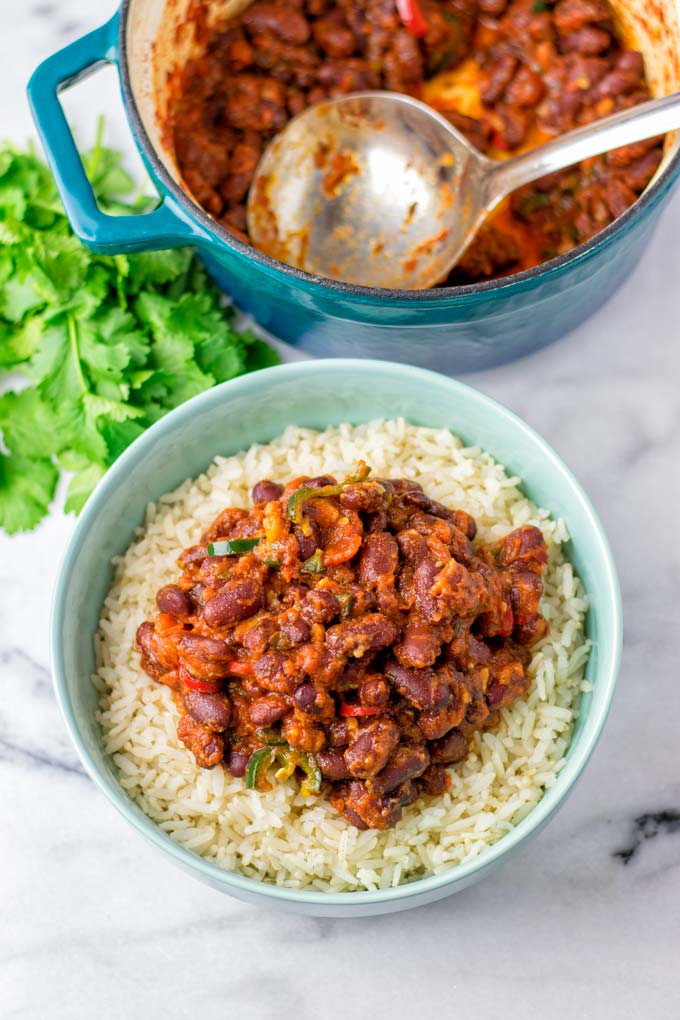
(352, 634)
(509, 74)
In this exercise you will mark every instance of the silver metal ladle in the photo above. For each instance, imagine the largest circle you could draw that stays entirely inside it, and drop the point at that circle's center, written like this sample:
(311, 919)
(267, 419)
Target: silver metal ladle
(378, 189)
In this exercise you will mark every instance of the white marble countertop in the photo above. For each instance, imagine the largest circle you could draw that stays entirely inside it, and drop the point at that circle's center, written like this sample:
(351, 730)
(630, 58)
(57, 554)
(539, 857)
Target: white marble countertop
(95, 923)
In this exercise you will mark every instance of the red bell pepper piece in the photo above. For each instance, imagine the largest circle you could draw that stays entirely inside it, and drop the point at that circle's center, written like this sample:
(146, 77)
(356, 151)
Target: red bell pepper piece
(412, 16)
(241, 668)
(204, 686)
(356, 711)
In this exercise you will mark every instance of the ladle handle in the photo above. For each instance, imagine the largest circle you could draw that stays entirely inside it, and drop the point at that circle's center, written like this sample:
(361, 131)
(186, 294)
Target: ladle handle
(632, 125)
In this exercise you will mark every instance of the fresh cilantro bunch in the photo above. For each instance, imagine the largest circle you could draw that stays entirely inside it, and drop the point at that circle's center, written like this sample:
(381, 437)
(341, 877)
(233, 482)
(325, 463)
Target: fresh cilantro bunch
(108, 344)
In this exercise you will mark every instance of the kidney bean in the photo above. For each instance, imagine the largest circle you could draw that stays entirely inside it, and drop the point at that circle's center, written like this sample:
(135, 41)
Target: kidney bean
(451, 748)
(234, 220)
(334, 38)
(404, 60)
(512, 679)
(295, 630)
(400, 485)
(269, 709)
(424, 688)
(574, 14)
(194, 554)
(348, 75)
(514, 126)
(639, 174)
(240, 53)
(279, 19)
(255, 104)
(374, 693)
(495, 8)
(211, 710)
(146, 645)
(266, 491)
(446, 531)
(308, 543)
(236, 601)
(320, 482)
(203, 647)
(378, 812)
(275, 673)
(319, 606)
(207, 656)
(234, 187)
(526, 88)
(419, 646)
(256, 637)
(197, 594)
(173, 600)
(423, 581)
(631, 62)
(524, 545)
(342, 732)
(367, 755)
(477, 710)
(616, 83)
(629, 153)
(202, 192)
(589, 40)
(413, 545)
(365, 497)
(305, 696)
(379, 558)
(495, 81)
(527, 634)
(525, 592)
(405, 763)
(238, 763)
(434, 781)
(332, 764)
(206, 746)
(436, 722)
(375, 522)
(356, 637)
(354, 819)
(459, 518)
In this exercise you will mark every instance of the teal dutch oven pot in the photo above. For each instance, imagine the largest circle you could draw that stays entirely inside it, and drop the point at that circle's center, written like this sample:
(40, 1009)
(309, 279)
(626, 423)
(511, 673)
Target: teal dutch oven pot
(454, 329)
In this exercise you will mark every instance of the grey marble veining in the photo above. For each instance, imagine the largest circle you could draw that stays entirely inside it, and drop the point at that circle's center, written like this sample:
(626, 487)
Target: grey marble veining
(584, 923)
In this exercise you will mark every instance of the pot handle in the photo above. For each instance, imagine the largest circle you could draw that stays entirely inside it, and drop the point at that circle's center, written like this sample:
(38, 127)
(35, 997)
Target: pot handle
(167, 226)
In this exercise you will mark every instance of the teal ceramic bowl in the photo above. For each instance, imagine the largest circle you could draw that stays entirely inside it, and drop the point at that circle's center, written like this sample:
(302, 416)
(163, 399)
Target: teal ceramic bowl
(228, 419)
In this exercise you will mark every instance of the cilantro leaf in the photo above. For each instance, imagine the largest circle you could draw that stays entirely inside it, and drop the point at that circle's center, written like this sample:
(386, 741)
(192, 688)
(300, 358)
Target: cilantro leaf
(81, 486)
(108, 344)
(259, 354)
(56, 365)
(158, 267)
(18, 297)
(26, 490)
(30, 427)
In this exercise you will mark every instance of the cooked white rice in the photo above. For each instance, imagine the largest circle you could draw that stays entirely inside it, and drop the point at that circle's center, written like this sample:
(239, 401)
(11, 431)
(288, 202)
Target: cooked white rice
(280, 836)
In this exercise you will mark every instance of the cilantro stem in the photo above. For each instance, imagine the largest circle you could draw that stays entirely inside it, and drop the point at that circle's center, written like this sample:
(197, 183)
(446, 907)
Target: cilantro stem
(97, 148)
(75, 352)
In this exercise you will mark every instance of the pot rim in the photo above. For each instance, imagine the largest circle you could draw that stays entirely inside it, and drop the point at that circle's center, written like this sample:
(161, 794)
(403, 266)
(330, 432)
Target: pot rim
(505, 285)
